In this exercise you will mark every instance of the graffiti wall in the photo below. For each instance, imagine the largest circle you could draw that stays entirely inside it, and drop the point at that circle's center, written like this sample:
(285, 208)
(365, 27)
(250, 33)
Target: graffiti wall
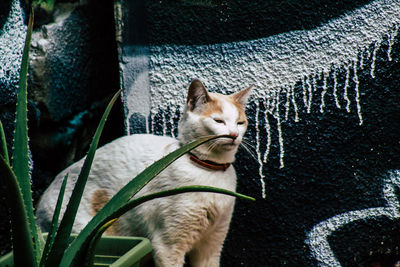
(323, 143)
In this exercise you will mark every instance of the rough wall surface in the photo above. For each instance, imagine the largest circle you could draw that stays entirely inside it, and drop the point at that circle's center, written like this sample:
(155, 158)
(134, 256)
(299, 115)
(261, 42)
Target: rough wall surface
(73, 74)
(324, 118)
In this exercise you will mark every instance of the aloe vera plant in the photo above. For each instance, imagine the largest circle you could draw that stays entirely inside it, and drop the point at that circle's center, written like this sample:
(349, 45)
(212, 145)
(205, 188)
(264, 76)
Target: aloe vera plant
(28, 245)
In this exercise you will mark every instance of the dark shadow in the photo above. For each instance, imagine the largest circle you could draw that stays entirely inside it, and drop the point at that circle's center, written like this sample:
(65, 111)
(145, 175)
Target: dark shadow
(5, 8)
(220, 21)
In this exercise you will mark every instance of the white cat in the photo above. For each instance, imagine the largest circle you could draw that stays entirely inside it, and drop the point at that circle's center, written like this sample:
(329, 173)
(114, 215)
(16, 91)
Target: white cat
(193, 223)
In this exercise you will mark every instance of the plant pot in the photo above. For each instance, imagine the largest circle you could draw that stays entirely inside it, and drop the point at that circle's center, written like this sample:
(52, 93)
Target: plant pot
(112, 251)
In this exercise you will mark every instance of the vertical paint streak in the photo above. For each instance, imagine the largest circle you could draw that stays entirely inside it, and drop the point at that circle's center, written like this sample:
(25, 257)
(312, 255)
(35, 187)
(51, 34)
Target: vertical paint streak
(268, 130)
(314, 81)
(267, 100)
(310, 95)
(303, 85)
(164, 122)
(296, 113)
(152, 121)
(390, 42)
(171, 121)
(335, 95)
(357, 83)
(258, 149)
(324, 89)
(373, 61)
(345, 88)
(362, 60)
(287, 104)
(280, 136)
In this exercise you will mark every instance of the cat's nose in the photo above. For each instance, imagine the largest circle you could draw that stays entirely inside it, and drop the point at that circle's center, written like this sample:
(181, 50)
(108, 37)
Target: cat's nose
(234, 135)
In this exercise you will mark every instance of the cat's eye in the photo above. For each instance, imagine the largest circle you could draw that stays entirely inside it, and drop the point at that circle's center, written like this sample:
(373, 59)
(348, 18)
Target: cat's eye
(240, 122)
(219, 121)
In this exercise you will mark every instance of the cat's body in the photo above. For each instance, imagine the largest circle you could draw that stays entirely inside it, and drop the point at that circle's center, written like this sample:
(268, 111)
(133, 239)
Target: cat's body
(193, 223)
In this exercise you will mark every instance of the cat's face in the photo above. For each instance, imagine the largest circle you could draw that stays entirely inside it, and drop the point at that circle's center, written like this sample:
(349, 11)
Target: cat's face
(214, 114)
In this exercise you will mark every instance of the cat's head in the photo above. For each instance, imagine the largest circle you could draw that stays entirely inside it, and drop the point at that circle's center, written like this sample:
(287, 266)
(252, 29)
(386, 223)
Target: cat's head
(214, 114)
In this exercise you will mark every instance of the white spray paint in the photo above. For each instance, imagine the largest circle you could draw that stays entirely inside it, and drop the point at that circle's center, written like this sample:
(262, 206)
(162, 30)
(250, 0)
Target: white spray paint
(317, 238)
(12, 38)
(275, 64)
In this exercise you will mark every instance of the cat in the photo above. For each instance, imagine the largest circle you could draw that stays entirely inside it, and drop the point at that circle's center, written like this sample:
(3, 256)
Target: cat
(193, 224)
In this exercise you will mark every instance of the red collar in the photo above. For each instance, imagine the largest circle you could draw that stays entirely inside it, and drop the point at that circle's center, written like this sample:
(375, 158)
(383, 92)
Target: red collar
(209, 164)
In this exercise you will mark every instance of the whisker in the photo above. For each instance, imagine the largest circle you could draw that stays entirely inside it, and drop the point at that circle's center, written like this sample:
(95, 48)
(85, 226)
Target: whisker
(248, 143)
(210, 148)
(251, 153)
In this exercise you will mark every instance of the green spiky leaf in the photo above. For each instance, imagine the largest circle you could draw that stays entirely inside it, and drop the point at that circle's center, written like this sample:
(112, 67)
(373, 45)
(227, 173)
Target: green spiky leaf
(3, 144)
(24, 252)
(65, 228)
(54, 223)
(90, 252)
(20, 153)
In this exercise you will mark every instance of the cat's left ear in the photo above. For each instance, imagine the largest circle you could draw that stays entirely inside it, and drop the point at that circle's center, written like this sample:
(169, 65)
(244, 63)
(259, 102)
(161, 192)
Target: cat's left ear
(243, 95)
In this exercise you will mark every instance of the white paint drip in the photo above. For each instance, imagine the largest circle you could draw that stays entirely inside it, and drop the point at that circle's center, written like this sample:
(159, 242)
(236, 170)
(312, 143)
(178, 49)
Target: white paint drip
(362, 60)
(324, 90)
(303, 86)
(296, 113)
(376, 48)
(356, 88)
(276, 63)
(314, 82)
(391, 37)
(345, 88)
(335, 89)
(310, 95)
(287, 104)
(280, 137)
(258, 149)
(317, 238)
(268, 131)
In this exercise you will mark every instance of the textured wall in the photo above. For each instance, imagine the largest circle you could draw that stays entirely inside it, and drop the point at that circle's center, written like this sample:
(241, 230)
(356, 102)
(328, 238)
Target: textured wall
(324, 117)
(73, 74)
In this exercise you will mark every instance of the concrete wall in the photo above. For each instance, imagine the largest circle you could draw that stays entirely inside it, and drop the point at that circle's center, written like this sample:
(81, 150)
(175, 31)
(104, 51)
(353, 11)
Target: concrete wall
(324, 117)
(73, 74)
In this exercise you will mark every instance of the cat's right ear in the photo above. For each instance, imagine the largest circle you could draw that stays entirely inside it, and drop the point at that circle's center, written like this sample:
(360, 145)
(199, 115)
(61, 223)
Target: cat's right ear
(197, 95)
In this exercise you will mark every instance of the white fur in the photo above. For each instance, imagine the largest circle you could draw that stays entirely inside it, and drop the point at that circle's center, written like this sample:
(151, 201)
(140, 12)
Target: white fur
(192, 223)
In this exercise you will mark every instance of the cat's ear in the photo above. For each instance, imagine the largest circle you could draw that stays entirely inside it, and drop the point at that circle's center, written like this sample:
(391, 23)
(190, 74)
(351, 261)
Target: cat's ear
(243, 95)
(197, 95)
